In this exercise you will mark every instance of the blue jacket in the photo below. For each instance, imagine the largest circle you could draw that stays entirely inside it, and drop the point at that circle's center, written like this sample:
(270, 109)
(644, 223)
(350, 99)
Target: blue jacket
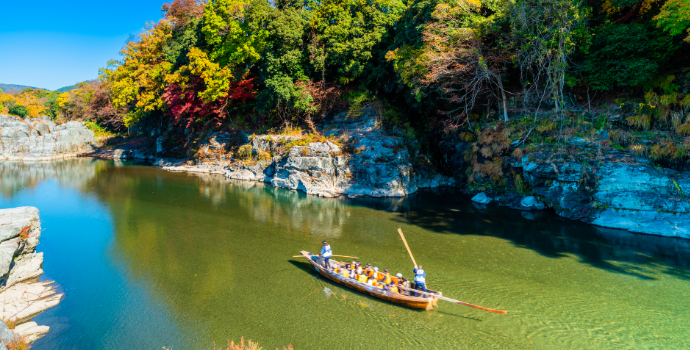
(326, 251)
(419, 276)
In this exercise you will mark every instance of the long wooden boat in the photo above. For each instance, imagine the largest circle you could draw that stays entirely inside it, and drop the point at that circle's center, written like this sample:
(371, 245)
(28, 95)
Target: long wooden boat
(396, 298)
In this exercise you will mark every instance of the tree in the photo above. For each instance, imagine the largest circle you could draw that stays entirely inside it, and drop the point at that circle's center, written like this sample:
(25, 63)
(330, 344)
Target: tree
(233, 41)
(544, 35)
(675, 17)
(138, 81)
(348, 30)
(181, 12)
(626, 55)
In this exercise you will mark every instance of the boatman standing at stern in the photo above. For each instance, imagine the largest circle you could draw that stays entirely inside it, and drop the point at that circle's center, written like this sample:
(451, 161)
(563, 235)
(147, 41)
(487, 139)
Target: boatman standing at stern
(326, 254)
(420, 278)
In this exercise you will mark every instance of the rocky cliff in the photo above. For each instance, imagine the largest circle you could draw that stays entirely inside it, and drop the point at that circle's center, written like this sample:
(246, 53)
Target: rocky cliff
(608, 188)
(40, 139)
(353, 157)
(22, 296)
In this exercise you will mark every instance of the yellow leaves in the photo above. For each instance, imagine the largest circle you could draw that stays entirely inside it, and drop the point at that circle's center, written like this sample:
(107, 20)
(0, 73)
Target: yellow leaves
(216, 79)
(33, 106)
(140, 77)
(464, 7)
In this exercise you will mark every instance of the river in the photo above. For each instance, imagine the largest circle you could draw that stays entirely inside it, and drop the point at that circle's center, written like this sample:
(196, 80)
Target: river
(149, 258)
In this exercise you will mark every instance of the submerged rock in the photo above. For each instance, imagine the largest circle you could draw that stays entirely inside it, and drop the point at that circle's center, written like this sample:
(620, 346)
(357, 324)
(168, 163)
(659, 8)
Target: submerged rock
(40, 139)
(482, 198)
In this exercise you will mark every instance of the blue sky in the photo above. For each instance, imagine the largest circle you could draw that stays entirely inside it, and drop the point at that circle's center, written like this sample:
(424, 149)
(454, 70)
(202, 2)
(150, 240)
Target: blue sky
(51, 44)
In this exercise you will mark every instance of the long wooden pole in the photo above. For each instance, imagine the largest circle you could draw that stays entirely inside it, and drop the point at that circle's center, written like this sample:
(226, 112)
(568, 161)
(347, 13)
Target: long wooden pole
(455, 301)
(408, 247)
(340, 256)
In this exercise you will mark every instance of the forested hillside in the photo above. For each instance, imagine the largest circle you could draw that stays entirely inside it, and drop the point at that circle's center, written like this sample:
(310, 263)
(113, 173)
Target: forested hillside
(498, 74)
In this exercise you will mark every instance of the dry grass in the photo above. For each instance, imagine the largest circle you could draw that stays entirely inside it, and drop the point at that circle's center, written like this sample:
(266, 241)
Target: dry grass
(18, 344)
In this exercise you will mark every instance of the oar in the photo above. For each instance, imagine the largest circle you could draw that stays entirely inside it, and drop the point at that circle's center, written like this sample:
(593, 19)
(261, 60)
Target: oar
(456, 301)
(408, 247)
(340, 256)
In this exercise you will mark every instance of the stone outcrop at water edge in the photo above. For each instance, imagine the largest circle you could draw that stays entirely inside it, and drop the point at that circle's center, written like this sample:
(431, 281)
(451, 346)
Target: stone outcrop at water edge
(41, 139)
(22, 296)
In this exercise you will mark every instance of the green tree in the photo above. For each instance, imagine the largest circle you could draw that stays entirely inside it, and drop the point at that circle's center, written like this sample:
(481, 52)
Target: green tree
(675, 17)
(626, 55)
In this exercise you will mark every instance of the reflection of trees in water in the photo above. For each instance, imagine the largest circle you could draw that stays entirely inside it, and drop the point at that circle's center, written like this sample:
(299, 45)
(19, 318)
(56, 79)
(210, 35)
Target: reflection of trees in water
(619, 251)
(267, 204)
(75, 173)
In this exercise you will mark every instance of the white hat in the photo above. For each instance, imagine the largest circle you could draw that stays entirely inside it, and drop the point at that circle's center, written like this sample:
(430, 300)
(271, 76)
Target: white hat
(376, 269)
(398, 275)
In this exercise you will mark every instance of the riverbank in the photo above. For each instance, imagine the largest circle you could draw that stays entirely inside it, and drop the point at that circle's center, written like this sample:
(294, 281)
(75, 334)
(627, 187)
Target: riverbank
(22, 295)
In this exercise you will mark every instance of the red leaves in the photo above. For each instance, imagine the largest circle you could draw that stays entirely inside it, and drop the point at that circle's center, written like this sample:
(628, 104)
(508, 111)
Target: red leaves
(184, 103)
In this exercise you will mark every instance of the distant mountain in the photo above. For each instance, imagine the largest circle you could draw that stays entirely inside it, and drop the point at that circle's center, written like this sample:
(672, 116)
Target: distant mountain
(14, 88)
(67, 88)
(72, 87)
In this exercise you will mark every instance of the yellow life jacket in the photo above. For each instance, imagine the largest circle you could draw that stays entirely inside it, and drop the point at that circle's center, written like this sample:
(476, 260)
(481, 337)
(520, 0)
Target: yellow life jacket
(362, 278)
(387, 278)
(379, 285)
(346, 274)
(394, 288)
(336, 270)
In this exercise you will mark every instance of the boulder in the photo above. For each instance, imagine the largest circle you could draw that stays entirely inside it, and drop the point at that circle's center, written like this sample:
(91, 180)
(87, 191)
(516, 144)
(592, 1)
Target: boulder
(531, 203)
(482, 198)
(40, 139)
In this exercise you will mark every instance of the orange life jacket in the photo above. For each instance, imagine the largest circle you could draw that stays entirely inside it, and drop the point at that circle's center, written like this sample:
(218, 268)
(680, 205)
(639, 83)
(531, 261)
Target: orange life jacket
(387, 278)
(346, 274)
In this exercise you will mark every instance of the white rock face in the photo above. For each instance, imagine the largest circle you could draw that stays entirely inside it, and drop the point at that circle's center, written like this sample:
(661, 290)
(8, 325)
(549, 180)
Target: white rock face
(30, 331)
(22, 296)
(40, 139)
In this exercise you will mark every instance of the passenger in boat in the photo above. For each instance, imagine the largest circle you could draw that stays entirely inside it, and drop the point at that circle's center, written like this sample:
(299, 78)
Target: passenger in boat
(368, 269)
(397, 278)
(346, 271)
(362, 278)
(420, 280)
(359, 269)
(351, 271)
(386, 277)
(372, 282)
(374, 273)
(394, 288)
(405, 283)
(326, 253)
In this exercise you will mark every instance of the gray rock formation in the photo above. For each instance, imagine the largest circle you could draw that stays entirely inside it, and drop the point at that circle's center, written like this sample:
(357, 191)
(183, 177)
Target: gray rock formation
(40, 139)
(22, 296)
(378, 165)
(612, 190)
(6, 335)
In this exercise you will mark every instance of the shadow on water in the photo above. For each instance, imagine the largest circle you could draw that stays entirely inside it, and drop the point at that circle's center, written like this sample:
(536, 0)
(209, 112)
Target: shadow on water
(618, 251)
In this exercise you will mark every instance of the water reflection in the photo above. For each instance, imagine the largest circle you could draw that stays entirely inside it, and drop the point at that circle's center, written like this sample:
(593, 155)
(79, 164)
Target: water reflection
(211, 257)
(16, 176)
(550, 235)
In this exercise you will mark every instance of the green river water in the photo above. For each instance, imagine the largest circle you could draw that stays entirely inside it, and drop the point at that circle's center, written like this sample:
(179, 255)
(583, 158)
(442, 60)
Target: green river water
(149, 258)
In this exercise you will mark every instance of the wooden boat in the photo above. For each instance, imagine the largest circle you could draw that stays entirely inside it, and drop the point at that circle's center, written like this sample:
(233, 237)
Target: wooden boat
(404, 300)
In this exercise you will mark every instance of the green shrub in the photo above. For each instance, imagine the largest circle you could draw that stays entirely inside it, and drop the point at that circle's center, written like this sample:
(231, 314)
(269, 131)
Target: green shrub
(626, 55)
(18, 111)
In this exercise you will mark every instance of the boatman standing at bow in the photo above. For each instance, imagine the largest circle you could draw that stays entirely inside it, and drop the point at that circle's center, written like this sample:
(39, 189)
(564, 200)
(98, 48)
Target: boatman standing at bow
(420, 278)
(326, 254)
